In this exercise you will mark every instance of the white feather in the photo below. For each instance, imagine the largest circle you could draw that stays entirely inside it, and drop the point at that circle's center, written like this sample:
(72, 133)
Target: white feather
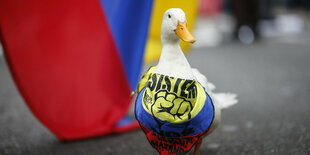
(222, 100)
(225, 100)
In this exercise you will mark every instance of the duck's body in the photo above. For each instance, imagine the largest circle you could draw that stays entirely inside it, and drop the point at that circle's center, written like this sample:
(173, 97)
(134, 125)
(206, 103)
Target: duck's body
(176, 107)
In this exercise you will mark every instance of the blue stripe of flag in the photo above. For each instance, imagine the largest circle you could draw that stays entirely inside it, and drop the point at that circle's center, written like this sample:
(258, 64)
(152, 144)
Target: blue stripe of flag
(129, 22)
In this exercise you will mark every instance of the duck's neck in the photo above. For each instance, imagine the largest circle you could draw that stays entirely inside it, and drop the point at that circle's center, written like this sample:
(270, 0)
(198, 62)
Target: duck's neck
(173, 63)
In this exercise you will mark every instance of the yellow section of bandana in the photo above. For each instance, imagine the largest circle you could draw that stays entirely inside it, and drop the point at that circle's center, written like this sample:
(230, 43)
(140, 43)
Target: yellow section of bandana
(145, 78)
(171, 99)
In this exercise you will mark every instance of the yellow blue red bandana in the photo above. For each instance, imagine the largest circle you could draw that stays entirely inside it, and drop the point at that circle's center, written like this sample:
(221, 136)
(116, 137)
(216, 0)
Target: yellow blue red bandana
(172, 112)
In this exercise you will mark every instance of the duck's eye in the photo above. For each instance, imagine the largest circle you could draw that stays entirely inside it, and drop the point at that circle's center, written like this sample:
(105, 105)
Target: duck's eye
(169, 16)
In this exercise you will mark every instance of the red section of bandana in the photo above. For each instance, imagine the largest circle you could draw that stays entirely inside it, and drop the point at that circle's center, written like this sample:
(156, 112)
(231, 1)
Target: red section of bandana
(171, 145)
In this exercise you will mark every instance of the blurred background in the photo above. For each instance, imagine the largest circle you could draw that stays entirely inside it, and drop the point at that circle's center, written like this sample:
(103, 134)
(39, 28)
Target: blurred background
(259, 49)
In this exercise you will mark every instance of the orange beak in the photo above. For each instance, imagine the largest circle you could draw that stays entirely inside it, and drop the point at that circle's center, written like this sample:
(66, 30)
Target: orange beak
(183, 33)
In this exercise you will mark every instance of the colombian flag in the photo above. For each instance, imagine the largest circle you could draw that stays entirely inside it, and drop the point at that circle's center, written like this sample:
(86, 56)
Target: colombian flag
(75, 62)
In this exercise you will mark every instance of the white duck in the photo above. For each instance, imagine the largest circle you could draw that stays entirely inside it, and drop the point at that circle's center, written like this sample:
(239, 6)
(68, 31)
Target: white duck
(173, 63)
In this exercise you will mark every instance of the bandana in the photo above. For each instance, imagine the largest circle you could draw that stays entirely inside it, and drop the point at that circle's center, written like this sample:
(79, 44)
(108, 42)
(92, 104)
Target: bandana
(173, 113)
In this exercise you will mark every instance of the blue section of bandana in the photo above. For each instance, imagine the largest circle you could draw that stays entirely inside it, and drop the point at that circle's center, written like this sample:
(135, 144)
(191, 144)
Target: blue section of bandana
(200, 123)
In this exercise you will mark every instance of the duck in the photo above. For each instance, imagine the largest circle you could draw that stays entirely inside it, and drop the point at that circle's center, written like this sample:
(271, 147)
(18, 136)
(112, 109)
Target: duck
(175, 104)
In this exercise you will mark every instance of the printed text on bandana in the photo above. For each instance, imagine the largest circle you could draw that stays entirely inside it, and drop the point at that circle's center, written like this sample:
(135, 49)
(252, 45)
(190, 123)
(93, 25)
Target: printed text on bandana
(170, 99)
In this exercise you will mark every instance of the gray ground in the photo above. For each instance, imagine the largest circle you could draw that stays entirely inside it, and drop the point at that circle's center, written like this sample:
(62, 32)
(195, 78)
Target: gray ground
(272, 78)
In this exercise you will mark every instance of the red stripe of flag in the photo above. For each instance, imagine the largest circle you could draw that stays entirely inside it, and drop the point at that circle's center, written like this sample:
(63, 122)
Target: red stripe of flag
(65, 64)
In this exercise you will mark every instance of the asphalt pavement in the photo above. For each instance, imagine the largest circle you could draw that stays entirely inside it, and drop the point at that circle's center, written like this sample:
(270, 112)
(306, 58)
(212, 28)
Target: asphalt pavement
(271, 78)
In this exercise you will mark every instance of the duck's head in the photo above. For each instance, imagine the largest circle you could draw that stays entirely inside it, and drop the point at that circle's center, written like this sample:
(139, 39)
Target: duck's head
(174, 27)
